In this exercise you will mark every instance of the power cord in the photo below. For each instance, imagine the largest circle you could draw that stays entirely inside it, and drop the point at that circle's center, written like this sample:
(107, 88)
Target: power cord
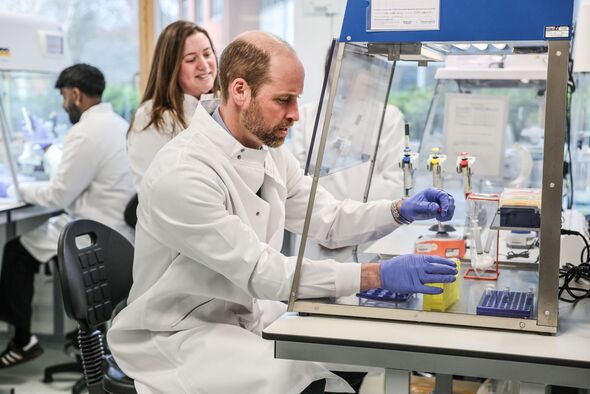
(525, 253)
(570, 272)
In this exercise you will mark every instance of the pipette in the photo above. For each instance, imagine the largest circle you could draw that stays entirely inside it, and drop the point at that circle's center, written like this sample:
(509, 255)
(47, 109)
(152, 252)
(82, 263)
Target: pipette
(407, 162)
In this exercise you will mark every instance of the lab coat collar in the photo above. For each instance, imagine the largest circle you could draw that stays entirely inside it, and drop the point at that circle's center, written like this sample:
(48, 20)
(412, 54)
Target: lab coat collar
(100, 107)
(226, 141)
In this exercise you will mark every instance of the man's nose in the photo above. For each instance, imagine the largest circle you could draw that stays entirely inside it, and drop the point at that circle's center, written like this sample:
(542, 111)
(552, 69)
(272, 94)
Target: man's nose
(293, 114)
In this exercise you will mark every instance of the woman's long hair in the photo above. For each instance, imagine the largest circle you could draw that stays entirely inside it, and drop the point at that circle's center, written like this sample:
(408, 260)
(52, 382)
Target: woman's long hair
(163, 87)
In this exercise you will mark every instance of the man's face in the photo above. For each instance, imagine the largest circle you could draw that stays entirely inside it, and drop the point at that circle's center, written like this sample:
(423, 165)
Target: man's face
(70, 95)
(270, 114)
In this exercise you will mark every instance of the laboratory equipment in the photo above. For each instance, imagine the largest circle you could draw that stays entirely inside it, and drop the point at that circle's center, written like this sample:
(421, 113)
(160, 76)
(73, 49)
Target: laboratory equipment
(439, 242)
(33, 52)
(506, 303)
(501, 85)
(384, 295)
(520, 208)
(408, 162)
(435, 163)
(450, 295)
(483, 257)
(463, 166)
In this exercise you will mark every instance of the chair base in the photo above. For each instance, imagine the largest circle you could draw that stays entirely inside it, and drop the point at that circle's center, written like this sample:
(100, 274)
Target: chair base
(72, 367)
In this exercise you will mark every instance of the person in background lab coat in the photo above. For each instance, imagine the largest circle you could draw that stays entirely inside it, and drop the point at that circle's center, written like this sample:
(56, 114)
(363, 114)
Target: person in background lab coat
(387, 181)
(92, 181)
(183, 71)
(207, 271)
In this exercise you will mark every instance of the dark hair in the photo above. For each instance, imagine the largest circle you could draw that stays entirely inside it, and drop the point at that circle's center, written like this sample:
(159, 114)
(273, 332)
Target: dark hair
(88, 79)
(162, 85)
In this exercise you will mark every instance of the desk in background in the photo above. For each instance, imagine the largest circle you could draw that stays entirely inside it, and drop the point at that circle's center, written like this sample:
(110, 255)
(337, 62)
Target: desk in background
(18, 218)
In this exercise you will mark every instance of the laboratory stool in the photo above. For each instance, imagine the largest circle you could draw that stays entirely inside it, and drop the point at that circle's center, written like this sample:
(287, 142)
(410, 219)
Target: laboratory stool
(94, 278)
(70, 347)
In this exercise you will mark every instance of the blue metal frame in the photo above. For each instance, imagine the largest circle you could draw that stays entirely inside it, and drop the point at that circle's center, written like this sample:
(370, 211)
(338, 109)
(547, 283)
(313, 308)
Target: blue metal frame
(469, 21)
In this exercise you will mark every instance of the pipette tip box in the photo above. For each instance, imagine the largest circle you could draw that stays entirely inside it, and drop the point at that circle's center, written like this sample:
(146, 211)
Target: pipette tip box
(383, 295)
(506, 303)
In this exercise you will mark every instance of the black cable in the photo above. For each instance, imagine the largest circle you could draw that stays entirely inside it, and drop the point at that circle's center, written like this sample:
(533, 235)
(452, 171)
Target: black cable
(570, 272)
(525, 253)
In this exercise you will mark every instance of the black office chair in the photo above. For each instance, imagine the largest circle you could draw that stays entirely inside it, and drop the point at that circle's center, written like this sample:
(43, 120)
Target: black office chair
(130, 213)
(94, 264)
(70, 347)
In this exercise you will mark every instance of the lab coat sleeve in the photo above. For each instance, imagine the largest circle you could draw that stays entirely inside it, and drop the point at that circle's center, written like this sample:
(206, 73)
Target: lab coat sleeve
(388, 178)
(73, 175)
(198, 225)
(334, 223)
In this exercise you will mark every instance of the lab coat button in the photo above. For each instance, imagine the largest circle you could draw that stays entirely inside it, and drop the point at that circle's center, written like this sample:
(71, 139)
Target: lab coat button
(239, 157)
(257, 213)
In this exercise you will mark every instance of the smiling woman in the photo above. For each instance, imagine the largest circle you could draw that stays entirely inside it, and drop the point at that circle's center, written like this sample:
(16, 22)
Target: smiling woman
(183, 71)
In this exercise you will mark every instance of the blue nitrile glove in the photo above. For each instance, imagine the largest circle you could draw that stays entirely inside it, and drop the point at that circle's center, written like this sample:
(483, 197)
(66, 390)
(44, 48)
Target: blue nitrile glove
(41, 136)
(409, 273)
(36, 132)
(428, 204)
(4, 185)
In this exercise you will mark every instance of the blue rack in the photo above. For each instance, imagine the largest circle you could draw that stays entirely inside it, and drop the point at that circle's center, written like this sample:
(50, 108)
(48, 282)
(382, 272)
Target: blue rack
(506, 304)
(383, 295)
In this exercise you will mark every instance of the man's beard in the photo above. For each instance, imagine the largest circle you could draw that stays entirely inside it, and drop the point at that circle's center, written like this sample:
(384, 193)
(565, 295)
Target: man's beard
(74, 113)
(253, 121)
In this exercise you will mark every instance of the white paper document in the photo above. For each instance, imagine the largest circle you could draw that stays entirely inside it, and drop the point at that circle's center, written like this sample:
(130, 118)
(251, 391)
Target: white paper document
(476, 124)
(405, 15)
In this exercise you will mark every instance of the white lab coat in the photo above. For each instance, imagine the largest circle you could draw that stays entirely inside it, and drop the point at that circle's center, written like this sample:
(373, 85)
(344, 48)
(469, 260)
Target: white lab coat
(387, 181)
(143, 143)
(92, 181)
(207, 251)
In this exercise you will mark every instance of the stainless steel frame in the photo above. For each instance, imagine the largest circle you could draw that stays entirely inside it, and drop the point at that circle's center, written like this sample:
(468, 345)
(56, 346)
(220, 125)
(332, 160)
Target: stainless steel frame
(547, 301)
(339, 49)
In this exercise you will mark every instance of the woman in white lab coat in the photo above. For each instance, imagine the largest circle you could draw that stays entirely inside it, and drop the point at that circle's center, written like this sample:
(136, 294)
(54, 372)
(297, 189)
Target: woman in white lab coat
(183, 71)
(92, 181)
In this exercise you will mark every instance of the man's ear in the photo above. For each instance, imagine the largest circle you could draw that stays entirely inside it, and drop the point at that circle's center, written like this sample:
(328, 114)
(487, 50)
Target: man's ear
(77, 96)
(240, 92)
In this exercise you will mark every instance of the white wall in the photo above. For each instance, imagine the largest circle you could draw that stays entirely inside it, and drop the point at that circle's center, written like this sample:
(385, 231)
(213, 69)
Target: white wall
(313, 31)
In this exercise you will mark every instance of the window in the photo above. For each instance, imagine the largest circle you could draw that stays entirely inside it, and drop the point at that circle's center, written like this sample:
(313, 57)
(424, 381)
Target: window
(199, 11)
(101, 34)
(216, 8)
(185, 10)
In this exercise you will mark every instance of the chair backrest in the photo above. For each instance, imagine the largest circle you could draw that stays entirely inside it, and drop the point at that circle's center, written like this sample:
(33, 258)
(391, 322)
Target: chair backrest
(130, 213)
(94, 277)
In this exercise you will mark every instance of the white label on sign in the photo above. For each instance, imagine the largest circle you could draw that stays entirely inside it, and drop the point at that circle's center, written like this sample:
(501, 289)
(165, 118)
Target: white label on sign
(557, 31)
(405, 14)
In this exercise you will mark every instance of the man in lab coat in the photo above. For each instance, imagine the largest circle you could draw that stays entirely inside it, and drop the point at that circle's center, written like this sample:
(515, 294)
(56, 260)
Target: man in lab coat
(207, 269)
(92, 181)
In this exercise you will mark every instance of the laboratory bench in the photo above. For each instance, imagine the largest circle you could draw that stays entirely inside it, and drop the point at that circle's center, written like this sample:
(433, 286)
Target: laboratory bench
(535, 360)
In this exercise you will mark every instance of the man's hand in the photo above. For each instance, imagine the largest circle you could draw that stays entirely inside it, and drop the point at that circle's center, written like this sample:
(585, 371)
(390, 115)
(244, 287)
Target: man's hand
(428, 204)
(410, 273)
